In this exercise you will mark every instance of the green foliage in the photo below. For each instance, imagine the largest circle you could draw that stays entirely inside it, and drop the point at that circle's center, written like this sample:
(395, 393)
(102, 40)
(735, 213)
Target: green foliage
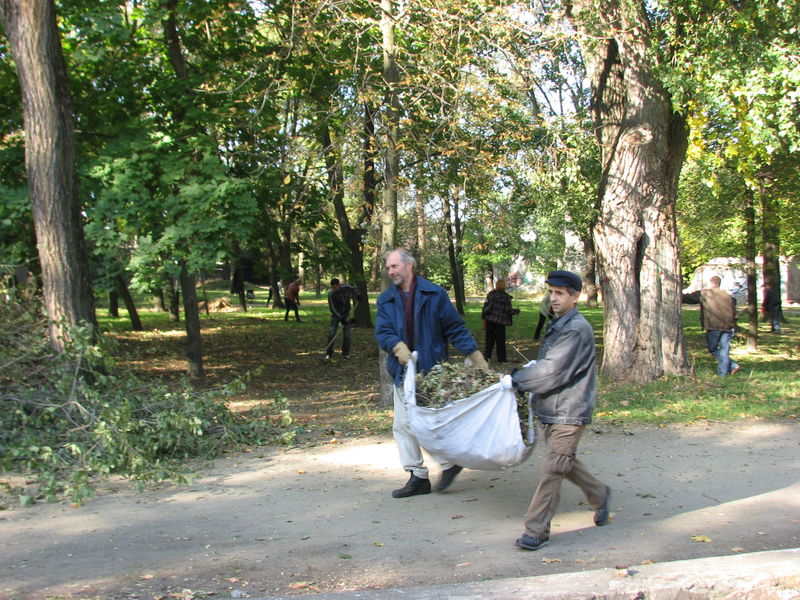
(71, 418)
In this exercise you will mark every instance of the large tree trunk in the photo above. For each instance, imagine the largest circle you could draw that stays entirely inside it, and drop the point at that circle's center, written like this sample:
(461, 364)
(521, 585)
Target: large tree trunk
(33, 36)
(643, 144)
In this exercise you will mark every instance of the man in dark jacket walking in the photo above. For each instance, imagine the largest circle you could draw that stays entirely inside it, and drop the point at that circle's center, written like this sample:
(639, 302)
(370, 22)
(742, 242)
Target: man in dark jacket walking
(416, 314)
(563, 380)
(339, 305)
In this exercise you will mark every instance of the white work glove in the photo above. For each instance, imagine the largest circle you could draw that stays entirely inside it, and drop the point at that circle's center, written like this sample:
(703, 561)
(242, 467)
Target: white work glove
(506, 382)
(476, 361)
(530, 363)
(401, 353)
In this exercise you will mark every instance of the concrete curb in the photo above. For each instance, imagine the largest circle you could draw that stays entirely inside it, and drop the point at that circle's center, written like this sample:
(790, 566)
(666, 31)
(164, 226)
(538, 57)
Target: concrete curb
(771, 575)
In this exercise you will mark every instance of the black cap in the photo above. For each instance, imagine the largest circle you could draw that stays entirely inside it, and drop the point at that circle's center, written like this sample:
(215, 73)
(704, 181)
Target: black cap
(564, 279)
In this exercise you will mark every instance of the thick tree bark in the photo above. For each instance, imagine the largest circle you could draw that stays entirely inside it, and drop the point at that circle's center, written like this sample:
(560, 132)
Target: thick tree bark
(33, 36)
(643, 144)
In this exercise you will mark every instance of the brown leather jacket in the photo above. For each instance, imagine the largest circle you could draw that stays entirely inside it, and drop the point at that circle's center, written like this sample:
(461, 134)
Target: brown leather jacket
(717, 308)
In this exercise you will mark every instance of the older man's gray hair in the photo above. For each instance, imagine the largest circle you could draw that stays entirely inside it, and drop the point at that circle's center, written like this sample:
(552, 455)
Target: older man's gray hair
(405, 256)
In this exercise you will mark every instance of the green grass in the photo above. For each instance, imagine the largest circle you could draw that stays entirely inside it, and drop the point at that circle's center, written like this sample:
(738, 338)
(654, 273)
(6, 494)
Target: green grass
(766, 387)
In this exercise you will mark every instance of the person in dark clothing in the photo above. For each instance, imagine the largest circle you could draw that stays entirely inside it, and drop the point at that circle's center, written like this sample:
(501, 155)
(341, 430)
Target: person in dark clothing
(339, 305)
(772, 308)
(497, 313)
(292, 299)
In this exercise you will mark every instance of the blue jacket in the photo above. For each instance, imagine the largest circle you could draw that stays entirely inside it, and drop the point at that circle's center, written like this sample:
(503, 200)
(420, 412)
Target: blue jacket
(435, 322)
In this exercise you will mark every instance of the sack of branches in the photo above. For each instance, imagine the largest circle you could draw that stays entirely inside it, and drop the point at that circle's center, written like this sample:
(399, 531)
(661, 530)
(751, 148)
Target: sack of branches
(68, 419)
(450, 381)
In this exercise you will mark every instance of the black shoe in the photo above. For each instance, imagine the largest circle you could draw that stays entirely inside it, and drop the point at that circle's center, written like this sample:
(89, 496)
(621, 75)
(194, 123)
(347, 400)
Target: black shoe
(528, 542)
(413, 487)
(601, 514)
(448, 475)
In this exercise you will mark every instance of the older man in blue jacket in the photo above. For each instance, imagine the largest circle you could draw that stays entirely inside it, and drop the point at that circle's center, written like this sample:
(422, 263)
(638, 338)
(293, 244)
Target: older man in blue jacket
(416, 314)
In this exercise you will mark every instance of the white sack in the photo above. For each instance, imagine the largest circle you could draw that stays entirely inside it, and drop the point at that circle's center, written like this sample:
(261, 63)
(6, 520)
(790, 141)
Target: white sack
(479, 432)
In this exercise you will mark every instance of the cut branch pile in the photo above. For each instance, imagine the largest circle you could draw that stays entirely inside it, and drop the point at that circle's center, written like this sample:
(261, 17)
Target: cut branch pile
(451, 381)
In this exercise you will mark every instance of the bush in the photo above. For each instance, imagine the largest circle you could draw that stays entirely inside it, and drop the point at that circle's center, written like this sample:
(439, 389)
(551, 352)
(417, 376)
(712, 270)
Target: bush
(69, 419)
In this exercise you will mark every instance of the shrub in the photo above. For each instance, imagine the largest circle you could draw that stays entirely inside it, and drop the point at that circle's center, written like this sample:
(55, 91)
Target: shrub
(68, 419)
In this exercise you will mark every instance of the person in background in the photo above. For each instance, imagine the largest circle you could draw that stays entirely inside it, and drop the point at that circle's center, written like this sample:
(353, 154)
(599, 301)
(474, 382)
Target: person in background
(545, 313)
(339, 305)
(416, 314)
(718, 319)
(772, 308)
(497, 313)
(292, 299)
(563, 381)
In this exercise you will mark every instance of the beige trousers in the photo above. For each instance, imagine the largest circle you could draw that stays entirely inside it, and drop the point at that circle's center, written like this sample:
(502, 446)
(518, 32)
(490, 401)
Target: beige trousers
(558, 462)
(410, 451)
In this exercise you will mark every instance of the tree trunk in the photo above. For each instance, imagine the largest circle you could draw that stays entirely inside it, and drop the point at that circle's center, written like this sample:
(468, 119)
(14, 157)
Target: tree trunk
(590, 271)
(770, 238)
(455, 274)
(125, 293)
(33, 36)
(752, 274)
(422, 241)
(158, 301)
(391, 168)
(174, 295)
(460, 289)
(643, 144)
(277, 300)
(352, 236)
(113, 304)
(194, 341)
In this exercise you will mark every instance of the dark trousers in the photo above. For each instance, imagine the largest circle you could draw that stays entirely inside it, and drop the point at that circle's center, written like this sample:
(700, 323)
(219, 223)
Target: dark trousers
(495, 336)
(291, 304)
(334, 326)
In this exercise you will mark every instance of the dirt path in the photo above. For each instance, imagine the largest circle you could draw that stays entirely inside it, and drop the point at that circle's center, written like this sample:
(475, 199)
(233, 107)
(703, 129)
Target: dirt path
(277, 522)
